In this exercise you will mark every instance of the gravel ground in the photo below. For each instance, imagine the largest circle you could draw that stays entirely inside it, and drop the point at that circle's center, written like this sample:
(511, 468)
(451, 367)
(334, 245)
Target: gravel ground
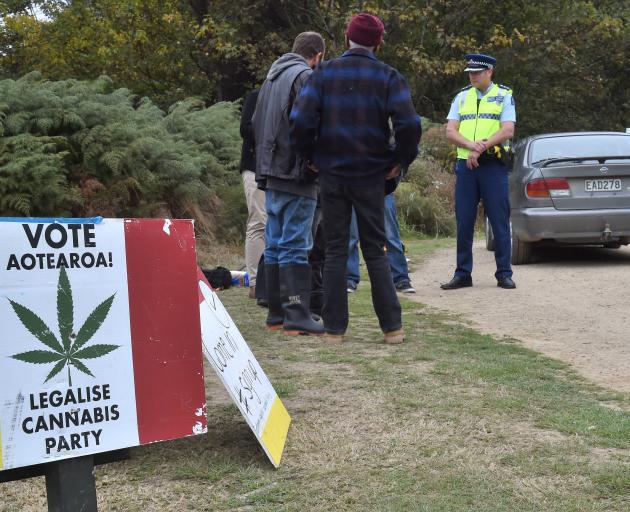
(571, 303)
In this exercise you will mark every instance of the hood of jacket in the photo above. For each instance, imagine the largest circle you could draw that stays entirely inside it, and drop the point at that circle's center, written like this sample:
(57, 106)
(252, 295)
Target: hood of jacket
(285, 62)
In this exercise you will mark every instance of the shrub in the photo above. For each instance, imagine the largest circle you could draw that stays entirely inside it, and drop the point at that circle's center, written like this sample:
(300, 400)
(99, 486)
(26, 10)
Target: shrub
(231, 219)
(82, 148)
(422, 213)
(32, 181)
(437, 147)
(425, 199)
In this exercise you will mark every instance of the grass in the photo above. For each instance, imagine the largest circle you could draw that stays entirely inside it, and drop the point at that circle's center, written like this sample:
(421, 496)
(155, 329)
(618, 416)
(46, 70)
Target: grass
(452, 420)
(418, 248)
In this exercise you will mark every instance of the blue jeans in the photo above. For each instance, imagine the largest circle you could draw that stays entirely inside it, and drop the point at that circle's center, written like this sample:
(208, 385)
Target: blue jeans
(288, 237)
(395, 253)
(489, 183)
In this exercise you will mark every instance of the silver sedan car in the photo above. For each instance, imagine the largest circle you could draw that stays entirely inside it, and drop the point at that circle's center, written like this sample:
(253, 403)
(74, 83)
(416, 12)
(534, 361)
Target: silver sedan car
(569, 188)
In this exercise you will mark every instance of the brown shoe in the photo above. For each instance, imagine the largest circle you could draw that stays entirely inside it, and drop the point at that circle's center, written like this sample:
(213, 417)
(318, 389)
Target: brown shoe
(252, 292)
(394, 337)
(300, 332)
(333, 339)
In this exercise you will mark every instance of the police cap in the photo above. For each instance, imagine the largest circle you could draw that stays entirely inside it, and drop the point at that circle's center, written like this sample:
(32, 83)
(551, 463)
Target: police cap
(479, 62)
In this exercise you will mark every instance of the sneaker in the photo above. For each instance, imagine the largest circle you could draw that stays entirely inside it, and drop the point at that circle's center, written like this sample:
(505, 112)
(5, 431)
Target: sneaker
(405, 287)
(352, 287)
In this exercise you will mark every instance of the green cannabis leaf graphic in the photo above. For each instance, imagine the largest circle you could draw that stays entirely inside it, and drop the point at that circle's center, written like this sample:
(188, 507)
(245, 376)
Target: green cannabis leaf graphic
(71, 349)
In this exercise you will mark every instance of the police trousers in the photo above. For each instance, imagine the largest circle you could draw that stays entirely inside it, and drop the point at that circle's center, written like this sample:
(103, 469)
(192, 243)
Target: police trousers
(489, 183)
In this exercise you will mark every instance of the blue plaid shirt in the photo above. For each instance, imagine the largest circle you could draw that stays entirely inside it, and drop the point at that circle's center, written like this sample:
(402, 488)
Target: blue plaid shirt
(341, 119)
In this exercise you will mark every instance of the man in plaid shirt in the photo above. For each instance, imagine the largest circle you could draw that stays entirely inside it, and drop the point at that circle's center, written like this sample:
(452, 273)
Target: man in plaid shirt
(341, 123)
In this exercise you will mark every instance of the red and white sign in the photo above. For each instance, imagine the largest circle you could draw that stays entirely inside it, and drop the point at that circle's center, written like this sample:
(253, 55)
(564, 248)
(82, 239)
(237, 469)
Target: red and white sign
(100, 346)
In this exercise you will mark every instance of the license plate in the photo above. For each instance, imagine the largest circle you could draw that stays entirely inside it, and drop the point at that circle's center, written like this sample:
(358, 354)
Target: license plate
(603, 185)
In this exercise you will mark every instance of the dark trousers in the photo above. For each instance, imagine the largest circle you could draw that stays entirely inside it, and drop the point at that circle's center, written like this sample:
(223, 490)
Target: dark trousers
(316, 259)
(369, 203)
(488, 182)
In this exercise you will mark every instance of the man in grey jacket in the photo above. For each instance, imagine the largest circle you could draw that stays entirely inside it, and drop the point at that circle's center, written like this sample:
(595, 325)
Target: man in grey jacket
(290, 190)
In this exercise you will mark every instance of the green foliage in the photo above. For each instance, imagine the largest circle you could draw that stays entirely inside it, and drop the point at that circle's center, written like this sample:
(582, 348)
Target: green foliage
(33, 178)
(564, 60)
(422, 213)
(436, 147)
(425, 200)
(232, 218)
(95, 147)
(144, 45)
(84, 148)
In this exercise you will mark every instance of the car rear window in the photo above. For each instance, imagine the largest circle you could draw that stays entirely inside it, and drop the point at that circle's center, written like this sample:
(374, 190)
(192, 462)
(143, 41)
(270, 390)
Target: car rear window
(579, 146)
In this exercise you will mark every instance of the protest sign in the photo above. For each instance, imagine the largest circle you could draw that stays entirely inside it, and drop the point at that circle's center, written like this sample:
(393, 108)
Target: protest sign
(239, 371)
(100, 344)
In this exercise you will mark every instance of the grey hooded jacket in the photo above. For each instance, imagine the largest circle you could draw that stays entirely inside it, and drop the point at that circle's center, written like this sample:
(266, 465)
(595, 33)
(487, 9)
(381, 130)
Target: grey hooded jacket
(274, 157)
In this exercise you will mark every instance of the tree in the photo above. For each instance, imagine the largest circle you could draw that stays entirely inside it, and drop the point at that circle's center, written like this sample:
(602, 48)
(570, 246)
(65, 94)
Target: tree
(564, 60)
(144, 45)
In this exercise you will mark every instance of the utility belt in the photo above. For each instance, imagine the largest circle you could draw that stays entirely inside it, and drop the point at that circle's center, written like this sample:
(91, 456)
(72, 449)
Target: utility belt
(497, 154)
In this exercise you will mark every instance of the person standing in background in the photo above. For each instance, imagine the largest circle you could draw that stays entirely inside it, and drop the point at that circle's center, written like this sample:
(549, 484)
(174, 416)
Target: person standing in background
(481, 123)
(340, 126)
(290, 190)
(394, 248)
(254, 197)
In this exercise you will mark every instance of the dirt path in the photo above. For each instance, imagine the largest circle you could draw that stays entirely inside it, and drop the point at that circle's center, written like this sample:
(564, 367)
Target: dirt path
(572, 304)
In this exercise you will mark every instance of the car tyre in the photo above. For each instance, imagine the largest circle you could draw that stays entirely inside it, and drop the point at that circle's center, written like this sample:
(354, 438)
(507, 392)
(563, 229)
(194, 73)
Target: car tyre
(521, 251)
(489, 235)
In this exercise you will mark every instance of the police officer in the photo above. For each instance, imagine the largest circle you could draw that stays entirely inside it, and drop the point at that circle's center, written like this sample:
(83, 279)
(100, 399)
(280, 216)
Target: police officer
(481, 123)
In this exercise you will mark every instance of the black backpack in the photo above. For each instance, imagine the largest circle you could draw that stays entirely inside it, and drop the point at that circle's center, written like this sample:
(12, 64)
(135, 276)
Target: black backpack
(219, 278)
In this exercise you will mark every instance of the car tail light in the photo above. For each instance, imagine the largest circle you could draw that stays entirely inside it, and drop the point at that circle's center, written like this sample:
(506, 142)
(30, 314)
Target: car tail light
(537, 188)
(550, 187)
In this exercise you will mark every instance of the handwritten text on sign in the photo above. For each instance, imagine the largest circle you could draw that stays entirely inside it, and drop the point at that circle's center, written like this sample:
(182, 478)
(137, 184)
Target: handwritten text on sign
(230, 356)
(239, 371)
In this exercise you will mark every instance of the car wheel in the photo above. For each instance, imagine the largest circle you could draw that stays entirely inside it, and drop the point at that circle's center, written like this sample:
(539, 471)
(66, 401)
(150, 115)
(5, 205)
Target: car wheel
(521, 251)
(489, 235)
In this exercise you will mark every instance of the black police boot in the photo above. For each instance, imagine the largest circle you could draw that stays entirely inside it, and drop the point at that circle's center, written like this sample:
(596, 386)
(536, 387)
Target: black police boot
(506, 282)
(295, 289)
(457, 282)
(275, 316)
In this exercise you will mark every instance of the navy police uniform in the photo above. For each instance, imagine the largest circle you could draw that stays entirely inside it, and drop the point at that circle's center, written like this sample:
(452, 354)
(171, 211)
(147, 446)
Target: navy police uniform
(480, 114)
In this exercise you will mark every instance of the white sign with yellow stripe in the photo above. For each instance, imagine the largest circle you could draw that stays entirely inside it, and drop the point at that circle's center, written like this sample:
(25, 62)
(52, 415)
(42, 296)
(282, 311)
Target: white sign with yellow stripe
(239, 371)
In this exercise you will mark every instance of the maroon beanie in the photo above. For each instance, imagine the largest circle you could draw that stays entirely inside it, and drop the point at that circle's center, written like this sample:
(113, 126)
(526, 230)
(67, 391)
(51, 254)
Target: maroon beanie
(365, 29)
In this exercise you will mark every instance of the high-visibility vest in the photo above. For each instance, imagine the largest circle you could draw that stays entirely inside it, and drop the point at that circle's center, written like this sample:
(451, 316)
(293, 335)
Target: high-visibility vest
(480, 120)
